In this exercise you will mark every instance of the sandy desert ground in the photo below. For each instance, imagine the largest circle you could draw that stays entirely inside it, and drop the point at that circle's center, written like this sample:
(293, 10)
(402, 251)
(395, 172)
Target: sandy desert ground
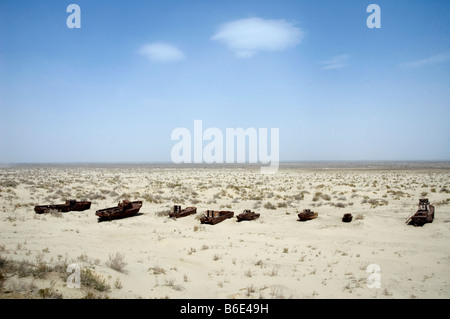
(153, 256)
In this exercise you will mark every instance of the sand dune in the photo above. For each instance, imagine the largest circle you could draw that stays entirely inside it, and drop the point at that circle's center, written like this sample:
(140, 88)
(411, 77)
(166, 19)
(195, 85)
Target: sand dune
(275, 256)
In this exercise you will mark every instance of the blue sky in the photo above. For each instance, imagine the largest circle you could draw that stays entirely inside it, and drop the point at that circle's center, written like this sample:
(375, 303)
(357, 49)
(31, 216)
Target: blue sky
(114, 89)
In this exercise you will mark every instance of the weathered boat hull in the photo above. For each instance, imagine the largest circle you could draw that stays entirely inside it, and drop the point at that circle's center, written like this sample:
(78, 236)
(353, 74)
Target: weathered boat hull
(247, 215)
(178, 212)
(42, 209)
(420, 218)
(347, 218)
(119, 212)
(70, 205)
(215, 217)
(425, 214)
(306, 214)
(80, 206)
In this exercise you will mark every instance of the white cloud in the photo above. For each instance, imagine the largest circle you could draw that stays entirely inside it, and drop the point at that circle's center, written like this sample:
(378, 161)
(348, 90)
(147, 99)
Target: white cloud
(247, 37)
(162, 52)
(435, 59)
(336, 62)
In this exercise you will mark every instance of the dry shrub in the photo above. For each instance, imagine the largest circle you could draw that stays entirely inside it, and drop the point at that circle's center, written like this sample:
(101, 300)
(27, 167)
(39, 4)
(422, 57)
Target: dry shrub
(117, 262)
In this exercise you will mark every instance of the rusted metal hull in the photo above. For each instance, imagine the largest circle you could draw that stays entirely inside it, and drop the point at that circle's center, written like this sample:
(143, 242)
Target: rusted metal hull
(178, 212)
(70, 205)
(215, 217)
(120, 211)
(425, 214)
(306, 214)
(247, 215)
(421, 217)
(347, 218)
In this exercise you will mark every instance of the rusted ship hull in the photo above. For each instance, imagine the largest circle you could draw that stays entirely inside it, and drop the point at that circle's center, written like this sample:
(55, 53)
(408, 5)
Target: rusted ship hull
(306, 214)
(70, 205)
(215, 217)
(178, 212)
(425, 214)
(421, 217)
(120, 211)
(247, 215)
(347, 218)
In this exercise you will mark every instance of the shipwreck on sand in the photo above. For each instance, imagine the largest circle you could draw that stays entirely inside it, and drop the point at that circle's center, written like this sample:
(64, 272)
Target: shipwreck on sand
(178, 212)
(247, 215)
(122, 210)
(425, 214)
(213, 216)
(347, 218)
(70, 205)
(307, 214)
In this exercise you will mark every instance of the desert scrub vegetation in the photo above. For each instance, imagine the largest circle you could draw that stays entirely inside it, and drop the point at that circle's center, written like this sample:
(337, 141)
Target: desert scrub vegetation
(170, 282)
(338, 205)
(163, 213)
(269, 205)
(91, 279)
(49, 293)
(25, 268)
(8, 183)
(320, 195)
(117, 262)
(157, 270)
(374, 202)
(155, 199)
(40, 270)
(398, 194)
(442, 202)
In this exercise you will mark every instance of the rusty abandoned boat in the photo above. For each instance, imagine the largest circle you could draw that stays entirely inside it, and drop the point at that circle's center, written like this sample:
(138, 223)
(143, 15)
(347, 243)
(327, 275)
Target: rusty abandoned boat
(425, 214)
(178, 212)
(307, 214)
(247, 215)
(213, 216)
(122, 210)
(347, 218)
(70, 205)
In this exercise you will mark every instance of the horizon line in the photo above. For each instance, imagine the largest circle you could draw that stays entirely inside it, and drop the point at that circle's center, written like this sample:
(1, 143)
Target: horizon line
(219, 164)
